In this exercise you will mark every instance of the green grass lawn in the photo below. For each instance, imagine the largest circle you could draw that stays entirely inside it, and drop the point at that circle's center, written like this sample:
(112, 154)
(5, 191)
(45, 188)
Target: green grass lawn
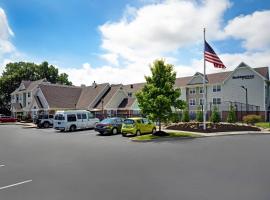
(263, 124)
(171, 135)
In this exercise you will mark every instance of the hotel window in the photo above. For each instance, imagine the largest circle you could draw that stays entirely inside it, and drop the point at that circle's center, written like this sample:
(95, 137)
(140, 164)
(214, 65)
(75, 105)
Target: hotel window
(29, 94)
(201, 102)
(130, 94)
(216, 88)
(192, 102)
(192, 90)
(216, 101)
(201, 90)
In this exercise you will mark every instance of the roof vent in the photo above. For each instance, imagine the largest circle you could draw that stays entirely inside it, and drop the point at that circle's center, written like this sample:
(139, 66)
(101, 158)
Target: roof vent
(94, 84)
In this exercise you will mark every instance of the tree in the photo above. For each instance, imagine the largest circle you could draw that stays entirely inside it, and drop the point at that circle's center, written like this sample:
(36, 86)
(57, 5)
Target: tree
(185, 116)
(231, 115)
(215, 117)
(158, 96)
(199, 114)
(15, 72)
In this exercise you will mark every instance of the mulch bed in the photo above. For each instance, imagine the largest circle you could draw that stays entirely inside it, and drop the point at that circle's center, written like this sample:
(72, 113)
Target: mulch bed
(211, 127)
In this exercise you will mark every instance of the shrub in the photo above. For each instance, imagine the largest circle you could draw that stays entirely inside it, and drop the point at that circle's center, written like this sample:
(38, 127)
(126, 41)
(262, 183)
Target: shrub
(176, 118)
(215, 117)
(231, 115)
(199, 115)
(185, 116)
(252, 119)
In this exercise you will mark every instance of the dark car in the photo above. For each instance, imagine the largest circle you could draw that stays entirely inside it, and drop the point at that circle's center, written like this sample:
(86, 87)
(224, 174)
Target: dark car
(4, 119)
(109, 126)
(44, 121)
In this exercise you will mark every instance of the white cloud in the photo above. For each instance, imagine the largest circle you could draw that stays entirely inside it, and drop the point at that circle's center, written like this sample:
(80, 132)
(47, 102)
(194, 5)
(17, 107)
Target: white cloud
(164, 27)
(253, 29)
(105, 74)
(111, 58)
(5, 34)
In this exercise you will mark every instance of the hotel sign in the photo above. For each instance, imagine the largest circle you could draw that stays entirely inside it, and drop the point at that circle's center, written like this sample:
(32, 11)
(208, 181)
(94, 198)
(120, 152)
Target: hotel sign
(243, 77)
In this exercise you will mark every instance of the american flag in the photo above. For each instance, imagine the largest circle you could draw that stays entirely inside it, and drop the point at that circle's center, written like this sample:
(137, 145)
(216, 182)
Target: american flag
(211, 56)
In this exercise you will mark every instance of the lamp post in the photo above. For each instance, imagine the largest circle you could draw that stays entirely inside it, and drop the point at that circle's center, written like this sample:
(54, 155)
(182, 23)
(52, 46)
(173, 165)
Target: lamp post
(245, 88)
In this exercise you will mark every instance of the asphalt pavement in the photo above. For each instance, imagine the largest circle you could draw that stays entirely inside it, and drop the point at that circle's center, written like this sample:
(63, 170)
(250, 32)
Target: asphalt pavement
(42, 164)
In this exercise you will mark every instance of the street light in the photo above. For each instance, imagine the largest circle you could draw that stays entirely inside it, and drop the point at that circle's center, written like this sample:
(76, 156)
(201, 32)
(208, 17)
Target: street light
(245, 88)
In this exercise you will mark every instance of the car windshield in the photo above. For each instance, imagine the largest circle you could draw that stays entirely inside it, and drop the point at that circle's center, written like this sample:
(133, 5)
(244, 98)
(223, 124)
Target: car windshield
(59, 117)
(107, 121)
(129, 121)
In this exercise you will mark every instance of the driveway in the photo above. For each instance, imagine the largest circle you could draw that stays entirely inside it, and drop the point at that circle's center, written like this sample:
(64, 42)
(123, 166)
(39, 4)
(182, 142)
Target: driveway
(41, 164)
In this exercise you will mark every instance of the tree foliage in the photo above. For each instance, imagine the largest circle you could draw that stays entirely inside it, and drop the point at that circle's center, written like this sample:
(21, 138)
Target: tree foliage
(215, 117)
(185, 116)
(199, 114)
(231, 115)
(15, 72)
(158, 96)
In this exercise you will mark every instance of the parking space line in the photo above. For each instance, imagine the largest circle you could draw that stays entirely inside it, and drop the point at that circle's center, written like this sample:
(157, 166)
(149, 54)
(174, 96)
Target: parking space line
(15, 184)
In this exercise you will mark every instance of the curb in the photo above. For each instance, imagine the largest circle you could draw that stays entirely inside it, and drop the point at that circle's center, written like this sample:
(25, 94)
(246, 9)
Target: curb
(165, 139)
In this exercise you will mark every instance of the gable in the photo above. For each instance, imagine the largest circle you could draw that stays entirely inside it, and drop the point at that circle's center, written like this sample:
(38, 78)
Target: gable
(244, 72)
(197, 79)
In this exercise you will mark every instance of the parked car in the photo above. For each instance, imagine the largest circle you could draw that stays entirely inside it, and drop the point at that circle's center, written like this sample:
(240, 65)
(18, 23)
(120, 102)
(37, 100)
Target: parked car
(44, 121)
(137, 126)
(109, 126)
(71, 120)
(4, 119)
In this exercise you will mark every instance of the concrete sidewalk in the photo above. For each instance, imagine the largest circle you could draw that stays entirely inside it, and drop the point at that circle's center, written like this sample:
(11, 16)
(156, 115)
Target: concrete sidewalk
(222, 133)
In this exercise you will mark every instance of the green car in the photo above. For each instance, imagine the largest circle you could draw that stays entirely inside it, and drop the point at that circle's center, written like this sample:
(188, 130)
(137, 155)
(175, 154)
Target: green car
(137, 126)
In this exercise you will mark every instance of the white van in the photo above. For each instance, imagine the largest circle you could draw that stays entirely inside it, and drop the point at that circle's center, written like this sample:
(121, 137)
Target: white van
(71, 120)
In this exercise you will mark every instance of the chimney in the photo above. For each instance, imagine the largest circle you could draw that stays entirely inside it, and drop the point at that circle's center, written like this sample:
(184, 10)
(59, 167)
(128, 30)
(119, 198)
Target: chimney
(131, 86)
(94, 84)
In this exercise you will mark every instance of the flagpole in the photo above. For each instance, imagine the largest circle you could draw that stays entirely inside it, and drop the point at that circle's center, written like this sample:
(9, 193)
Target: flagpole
(204, 89)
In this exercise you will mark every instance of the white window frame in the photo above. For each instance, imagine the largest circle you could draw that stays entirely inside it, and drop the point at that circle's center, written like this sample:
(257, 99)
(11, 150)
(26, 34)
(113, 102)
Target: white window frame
(216, 102)
(216, 88)
(192, 90)
(192, 102)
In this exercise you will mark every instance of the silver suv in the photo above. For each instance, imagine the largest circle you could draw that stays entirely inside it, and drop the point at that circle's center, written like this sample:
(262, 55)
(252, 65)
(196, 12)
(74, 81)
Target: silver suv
(44, 121)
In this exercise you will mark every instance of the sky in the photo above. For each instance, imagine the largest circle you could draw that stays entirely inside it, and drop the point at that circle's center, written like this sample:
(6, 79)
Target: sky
(116, 41)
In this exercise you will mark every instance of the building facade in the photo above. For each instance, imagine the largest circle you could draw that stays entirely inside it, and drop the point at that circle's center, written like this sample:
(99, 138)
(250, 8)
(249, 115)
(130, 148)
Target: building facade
(245, 88)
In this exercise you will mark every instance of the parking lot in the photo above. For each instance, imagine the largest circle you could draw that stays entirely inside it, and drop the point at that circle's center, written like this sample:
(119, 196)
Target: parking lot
(44, 164)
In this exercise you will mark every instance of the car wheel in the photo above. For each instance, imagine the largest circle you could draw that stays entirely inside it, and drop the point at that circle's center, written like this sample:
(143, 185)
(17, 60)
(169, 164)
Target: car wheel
(72, 128)
(154, 131)
(114, 131)
(39, 125)
(46, 124)
(138, 132)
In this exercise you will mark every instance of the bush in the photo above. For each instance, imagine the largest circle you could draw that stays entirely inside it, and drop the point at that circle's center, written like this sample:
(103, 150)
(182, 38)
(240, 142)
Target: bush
(176, 118)
(215, 117)
(252, 119)
(185, 116)
(199, 115)
(231, 115)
